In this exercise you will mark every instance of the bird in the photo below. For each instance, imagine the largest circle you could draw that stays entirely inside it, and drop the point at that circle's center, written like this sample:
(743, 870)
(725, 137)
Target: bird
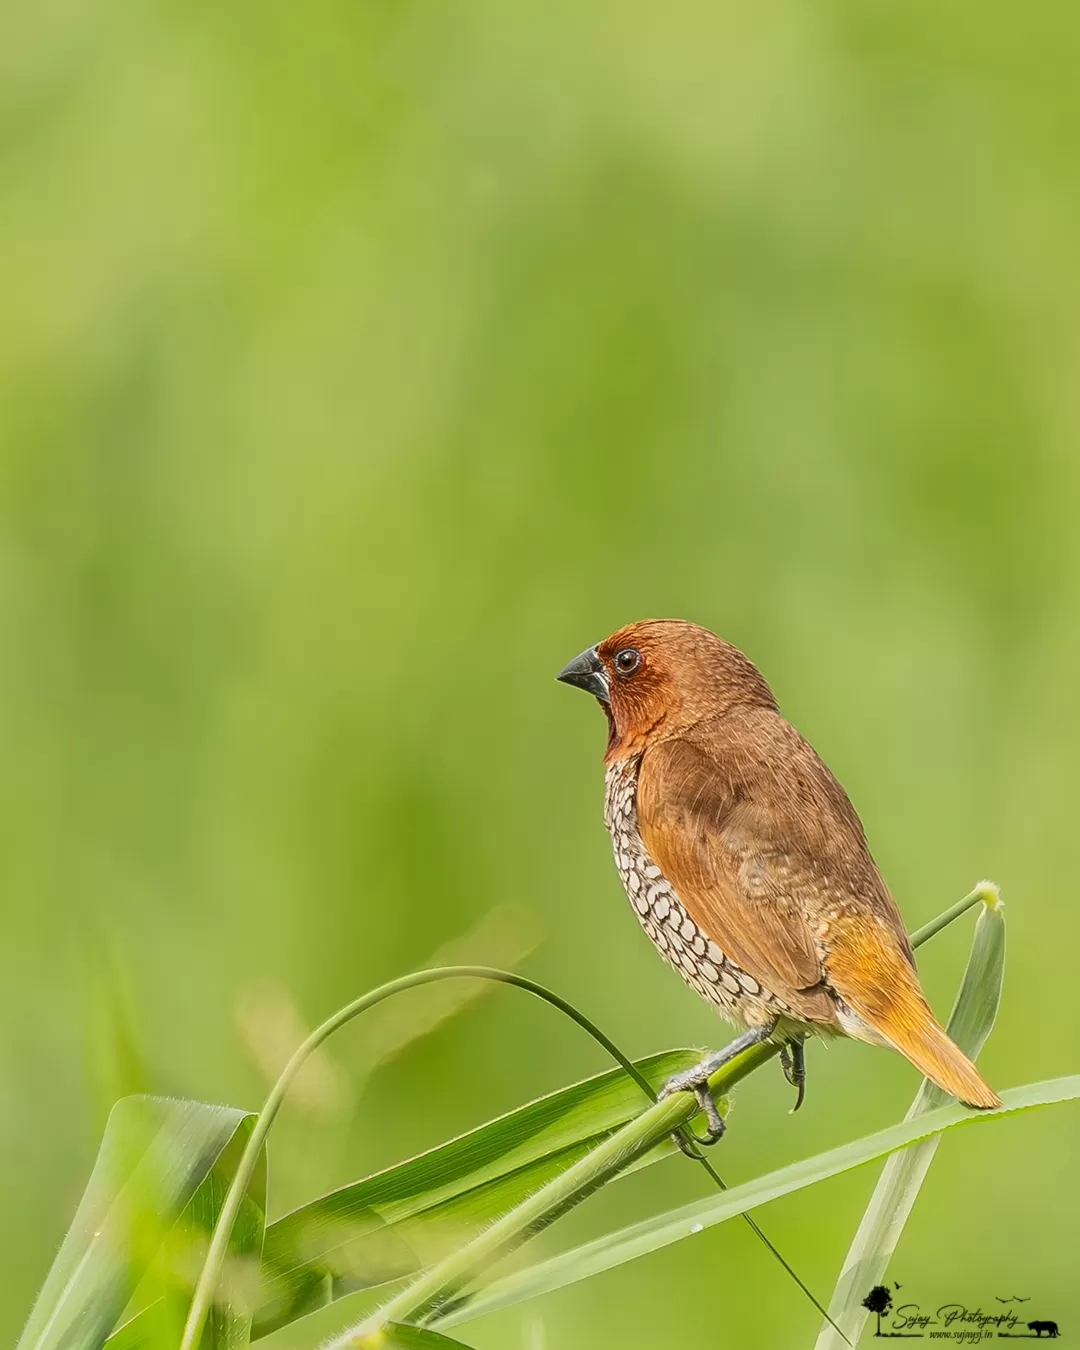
(747, 865)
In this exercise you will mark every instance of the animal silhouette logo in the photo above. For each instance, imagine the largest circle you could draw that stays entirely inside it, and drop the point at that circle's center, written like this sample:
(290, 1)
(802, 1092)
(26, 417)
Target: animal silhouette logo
(1051, 1328)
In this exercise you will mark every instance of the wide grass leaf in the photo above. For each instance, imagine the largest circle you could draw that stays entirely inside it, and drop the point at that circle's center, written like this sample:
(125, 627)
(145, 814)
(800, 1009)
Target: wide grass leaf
(152, 1197)
(397, 1336)
(614, 1249)
(399, 1221)
(902, 1176)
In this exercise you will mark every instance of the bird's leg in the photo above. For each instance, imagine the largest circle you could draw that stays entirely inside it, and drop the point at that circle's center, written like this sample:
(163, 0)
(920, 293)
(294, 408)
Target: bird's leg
(793, 1063)
(696, 1080)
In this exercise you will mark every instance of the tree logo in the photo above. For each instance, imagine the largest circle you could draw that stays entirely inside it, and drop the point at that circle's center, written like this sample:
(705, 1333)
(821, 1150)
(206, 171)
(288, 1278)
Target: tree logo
(878, 1301)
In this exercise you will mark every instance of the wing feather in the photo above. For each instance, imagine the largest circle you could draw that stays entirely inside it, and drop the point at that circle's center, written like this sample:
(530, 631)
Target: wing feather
(769, 858)
(740, 882)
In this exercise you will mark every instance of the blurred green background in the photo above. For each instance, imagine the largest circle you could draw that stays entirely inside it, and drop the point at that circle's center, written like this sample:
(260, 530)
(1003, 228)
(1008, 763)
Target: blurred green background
(359, 365)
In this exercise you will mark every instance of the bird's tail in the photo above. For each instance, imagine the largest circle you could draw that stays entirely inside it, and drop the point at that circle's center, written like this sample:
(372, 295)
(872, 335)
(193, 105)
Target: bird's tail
(930, 1049)
(878, 983)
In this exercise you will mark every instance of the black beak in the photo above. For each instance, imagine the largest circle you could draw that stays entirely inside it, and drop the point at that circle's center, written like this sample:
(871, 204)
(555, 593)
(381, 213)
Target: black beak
(588, 673)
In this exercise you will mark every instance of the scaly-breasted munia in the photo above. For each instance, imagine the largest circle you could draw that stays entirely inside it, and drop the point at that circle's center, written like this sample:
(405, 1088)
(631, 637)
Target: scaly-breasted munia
(746, 863)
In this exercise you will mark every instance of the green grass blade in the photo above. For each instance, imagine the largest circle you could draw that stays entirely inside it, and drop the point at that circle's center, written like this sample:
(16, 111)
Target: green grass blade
(397, 1336)
(436, 1287)
(894, 1196)
(210, 1275)
(406, 1218)
(153, 1328)
(154, 1157)
(394, 1223)
(661, 1231)
(228, 1326)
(445, 1283)
(151, 1331)
(985, 891)
(158, 1325)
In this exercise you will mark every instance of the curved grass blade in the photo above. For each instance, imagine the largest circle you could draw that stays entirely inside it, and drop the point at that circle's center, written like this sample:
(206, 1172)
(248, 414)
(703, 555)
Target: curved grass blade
(985, 891)
(228, 1326)
(210, 1275)
(158, 1158)
(317, 1287)
(894, 1196)
(443, 1285)
(651, 1235)
(400, 1220)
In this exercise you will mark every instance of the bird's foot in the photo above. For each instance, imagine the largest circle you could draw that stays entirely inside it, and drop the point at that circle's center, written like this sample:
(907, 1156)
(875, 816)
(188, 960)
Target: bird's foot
(793, 1063)
(686, 1138)
(696, 1080)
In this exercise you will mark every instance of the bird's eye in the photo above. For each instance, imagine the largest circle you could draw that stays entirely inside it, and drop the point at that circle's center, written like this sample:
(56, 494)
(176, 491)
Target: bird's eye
(627, 661)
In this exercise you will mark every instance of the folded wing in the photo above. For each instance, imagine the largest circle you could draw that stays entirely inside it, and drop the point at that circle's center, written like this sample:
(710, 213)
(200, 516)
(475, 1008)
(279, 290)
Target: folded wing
(741, 884)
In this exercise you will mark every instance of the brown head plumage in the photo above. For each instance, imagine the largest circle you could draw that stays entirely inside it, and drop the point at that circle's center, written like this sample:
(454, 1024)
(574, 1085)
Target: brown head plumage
(659, 677)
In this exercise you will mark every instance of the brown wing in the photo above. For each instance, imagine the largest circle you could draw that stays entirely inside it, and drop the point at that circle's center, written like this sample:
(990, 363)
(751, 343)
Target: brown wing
(767, 854)
(761, 845)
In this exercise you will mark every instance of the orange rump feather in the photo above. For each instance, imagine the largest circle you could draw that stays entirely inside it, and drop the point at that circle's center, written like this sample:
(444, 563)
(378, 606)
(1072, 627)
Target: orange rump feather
(876, 981)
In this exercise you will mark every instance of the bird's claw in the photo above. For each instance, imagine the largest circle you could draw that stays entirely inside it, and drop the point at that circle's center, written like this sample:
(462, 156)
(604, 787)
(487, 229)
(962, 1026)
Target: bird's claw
(696, 1080)
(686, 1137)
(707, 1102)
(793, 1063)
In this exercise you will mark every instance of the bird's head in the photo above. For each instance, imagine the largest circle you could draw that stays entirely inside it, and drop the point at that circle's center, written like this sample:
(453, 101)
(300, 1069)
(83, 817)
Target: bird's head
(660, 677)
